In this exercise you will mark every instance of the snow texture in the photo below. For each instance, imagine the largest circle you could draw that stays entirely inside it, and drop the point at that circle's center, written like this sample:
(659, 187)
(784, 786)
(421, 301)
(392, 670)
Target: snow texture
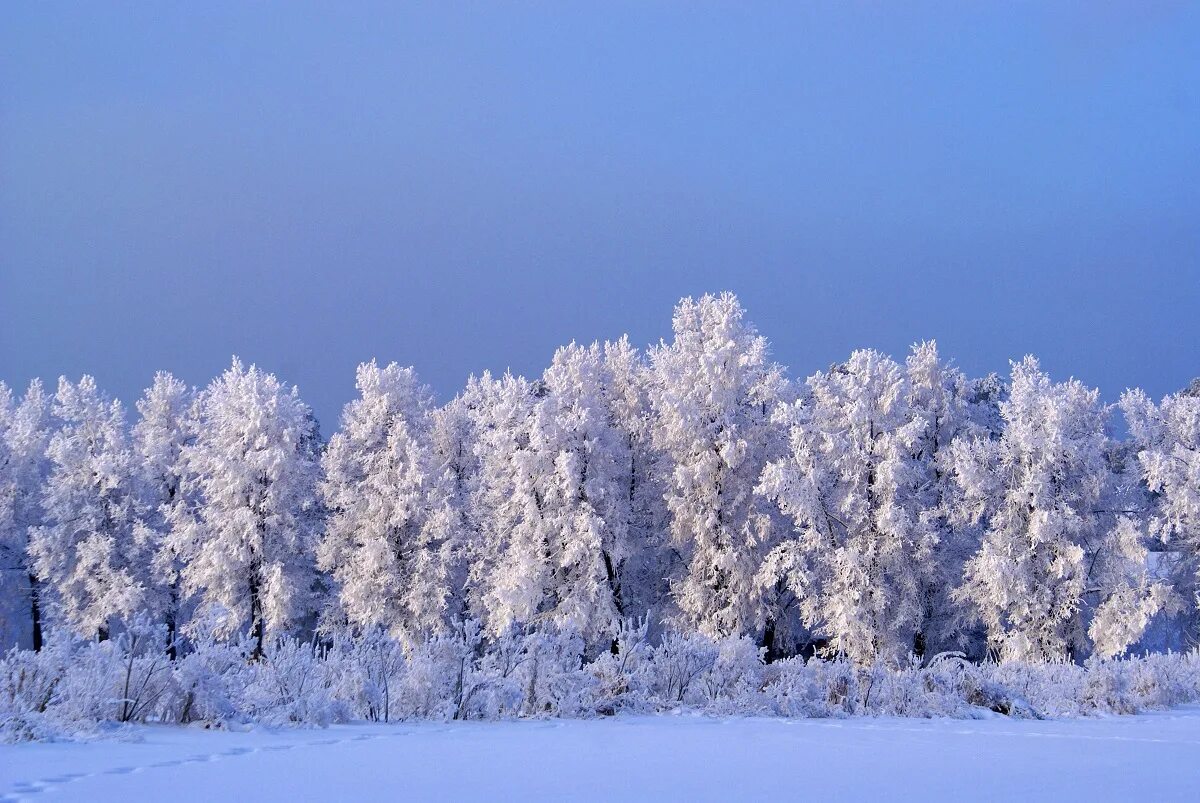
(1145, 757)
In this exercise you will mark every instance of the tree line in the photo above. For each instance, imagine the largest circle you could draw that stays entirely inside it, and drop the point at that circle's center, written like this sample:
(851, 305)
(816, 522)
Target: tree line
(875, 510)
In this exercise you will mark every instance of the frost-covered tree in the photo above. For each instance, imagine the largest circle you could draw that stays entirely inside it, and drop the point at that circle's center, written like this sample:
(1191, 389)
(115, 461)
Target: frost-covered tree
(386, 543)
(166, 426)
(86, 552)
(1166, 439)
(951, 406)
(25, 430)
(453, 475)
(584, 497)
(510, 559)
(651, 560)
(712, 392)
(861, 558)
(1050, 548)
(248, 555)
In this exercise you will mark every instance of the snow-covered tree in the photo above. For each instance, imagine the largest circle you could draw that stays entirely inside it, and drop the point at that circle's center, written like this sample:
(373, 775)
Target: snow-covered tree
(651, 561)
(387, 543)
(712, 392)
(86, 552)
(453, 473)
(585, 496)
(165, 427)
(1050, 548)
(861, 557)
(248, 554)
(951, 406)
(25, 430)
(1166, 439)
(510, 559)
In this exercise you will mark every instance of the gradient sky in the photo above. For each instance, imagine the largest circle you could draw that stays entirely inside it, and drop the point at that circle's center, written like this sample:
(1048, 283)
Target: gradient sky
(466, 188)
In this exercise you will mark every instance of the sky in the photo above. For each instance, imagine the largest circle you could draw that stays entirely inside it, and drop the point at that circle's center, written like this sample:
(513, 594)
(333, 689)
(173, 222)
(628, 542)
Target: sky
(464, 187)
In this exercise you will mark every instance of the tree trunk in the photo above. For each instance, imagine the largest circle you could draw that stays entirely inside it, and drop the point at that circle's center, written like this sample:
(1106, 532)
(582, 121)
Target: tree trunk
(171, 652)
(256, 617)
(35, 613)
(768, 641)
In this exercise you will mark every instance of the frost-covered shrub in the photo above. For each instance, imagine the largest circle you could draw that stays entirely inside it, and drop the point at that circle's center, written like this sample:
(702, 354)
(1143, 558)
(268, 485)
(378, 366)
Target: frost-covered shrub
(733, 682)
(794, 689)
(621, 679)
(29, 684)
(292, 684)
(678, 662)
(72, 686)
(1162, 680)
(372, 669)
(487, 684)
(554, 682)
(144, 675)
(1051, 688)
(208, 681)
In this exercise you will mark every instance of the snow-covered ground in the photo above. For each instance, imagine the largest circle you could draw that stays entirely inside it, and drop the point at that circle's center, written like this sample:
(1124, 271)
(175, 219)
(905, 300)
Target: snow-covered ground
(1152, 757)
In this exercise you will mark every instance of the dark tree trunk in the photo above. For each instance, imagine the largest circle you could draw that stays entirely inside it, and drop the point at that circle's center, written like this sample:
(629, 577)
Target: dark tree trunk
(256, 617)
(35, 613)
(171, 652)
(768, 641)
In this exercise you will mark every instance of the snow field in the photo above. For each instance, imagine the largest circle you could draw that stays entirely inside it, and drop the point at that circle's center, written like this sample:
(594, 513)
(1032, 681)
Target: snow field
(1149, 757)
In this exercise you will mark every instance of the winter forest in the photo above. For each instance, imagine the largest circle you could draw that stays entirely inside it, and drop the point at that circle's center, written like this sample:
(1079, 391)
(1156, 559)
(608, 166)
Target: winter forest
(632, 530)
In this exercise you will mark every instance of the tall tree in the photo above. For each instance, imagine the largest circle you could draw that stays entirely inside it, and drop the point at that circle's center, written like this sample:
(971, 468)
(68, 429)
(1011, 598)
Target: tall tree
(651, 560)
(86, 552)
(248, 555)
(386, 541)
(454, 474)
(1050, 547)
(25, 430)
(510, 559)
(166, 426)
(951, 406)
(862, 554)
(584, 495)
(712, 392)
(1166, 440)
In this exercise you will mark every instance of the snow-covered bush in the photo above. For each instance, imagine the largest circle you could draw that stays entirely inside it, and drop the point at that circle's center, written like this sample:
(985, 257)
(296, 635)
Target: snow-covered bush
(372, 668)
(71, 687)
(678, 662)
(622, 677)
(29, 684)
(555, 682)
(207, 682)
(293, 684)
(733, 682)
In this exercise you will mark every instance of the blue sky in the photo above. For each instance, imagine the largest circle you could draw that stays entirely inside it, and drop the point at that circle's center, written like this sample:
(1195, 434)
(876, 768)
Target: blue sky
(466, 188)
